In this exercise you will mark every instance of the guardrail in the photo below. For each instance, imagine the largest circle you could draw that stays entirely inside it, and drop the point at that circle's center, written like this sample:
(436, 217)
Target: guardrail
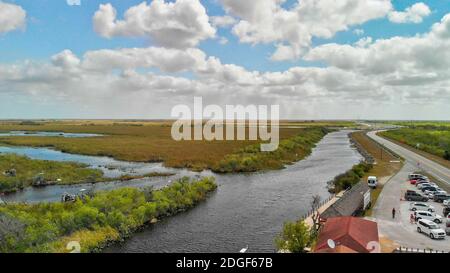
(418, 250)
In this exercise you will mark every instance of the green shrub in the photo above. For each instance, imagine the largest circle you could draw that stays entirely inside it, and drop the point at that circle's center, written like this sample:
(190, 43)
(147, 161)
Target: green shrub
(103, 216)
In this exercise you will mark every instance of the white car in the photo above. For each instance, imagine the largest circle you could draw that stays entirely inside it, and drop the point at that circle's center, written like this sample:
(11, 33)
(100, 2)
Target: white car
(446, 202)
(432, 193)
(421, 207)
(431, 229)
(426, 215)
(423, 185)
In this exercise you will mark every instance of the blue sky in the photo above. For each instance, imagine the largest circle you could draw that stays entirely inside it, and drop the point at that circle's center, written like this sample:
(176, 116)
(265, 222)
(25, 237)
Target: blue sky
(53, 26)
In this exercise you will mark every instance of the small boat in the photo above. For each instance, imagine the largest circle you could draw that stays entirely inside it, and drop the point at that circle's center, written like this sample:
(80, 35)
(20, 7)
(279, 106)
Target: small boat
(244, 250)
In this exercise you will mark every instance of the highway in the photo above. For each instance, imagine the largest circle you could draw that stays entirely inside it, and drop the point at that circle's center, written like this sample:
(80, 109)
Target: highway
(401, 230)
(438, 171)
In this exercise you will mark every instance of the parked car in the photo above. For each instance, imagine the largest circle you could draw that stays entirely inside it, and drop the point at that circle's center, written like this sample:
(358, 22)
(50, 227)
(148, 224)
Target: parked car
(424, 185)
(428, 216)
(431, 229)
(446, 203)
(441, 197)
(372, 181)
(415, 196)
(446, 212)
(421, 206)
(430, 189)
(433, 190)
(416, 176)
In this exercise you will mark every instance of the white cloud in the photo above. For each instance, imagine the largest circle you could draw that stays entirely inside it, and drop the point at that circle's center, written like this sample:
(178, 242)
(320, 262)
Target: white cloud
(418, 60)
(12, 17)
(266, 21)
(413, 14)
(181, 24)
(364, 42)
(223, 21)
(358, 31)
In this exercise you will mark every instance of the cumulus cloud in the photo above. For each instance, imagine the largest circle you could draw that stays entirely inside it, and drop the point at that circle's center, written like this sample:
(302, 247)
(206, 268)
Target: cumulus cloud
(180, 24)
(389, 72)
(292, 30)
(419, 60)
(223, 21)
(12, 17)
(413, 14)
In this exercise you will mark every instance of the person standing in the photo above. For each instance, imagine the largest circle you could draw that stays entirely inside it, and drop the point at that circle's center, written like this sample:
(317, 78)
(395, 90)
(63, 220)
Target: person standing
(393, 213)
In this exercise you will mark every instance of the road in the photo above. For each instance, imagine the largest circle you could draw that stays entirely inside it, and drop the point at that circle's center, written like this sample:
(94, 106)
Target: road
(400, 230)
(438, 171)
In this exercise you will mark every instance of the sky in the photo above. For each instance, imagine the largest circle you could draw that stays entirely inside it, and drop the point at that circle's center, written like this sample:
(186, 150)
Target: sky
(317, 59)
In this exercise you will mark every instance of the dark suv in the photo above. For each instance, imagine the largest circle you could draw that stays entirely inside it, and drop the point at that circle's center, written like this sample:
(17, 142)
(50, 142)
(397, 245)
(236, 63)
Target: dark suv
(414, 196)
(440, 197)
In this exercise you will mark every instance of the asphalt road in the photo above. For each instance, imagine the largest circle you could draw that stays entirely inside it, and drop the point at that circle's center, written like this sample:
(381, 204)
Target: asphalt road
(400, 230)
(421, 163)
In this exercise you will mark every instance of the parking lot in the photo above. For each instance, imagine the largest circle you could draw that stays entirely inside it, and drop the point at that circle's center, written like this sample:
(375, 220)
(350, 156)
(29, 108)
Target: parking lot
(401, 230)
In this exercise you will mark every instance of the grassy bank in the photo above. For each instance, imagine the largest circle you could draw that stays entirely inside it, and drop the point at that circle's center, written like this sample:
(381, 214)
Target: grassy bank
(251, 159)
(26, 171)
(18, 172)
(350, 178)
(386, 163)
(433, 139)
(152, 142)
(93, 223)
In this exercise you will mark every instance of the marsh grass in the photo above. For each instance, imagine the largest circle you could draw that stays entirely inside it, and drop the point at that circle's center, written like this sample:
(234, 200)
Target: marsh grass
(27, 170)
(151, 142)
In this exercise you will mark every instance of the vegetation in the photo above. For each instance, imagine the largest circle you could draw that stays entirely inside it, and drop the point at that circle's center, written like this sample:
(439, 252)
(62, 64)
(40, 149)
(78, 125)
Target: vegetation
(295, 237)
(387, 164)
(429, 138)
(95, 221)
(154, 174)
(18, 172)
(250, 159)
(352, 177)
(152, 142)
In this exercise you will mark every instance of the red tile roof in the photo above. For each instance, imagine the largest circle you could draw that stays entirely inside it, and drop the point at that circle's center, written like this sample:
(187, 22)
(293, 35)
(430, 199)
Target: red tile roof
(351, 232)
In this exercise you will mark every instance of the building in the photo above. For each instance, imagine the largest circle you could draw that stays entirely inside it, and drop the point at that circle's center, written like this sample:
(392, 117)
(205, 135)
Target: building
(352, 203)
(349, 235)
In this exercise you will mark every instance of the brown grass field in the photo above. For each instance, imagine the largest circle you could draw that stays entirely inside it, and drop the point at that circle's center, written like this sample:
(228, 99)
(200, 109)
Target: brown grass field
(140, 141)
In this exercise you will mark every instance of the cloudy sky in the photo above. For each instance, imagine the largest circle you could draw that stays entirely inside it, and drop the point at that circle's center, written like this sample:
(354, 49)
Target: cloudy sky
(317, 59)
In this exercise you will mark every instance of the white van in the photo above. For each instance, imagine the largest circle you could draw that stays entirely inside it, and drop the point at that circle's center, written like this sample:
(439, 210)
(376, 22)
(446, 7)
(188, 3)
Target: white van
(372, 181)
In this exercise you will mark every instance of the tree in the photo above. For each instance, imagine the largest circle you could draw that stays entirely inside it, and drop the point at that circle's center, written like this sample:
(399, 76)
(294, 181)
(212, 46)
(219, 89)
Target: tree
(315, 206)
(447, 155)
(294, 238)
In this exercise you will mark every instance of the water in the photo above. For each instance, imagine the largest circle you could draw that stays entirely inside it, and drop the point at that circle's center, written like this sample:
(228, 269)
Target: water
(248, 209)
(245, 210)
(111, 168)
(47, 134)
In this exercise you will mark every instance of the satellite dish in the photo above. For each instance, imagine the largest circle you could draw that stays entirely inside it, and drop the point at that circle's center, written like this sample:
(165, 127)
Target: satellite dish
(331, 244)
